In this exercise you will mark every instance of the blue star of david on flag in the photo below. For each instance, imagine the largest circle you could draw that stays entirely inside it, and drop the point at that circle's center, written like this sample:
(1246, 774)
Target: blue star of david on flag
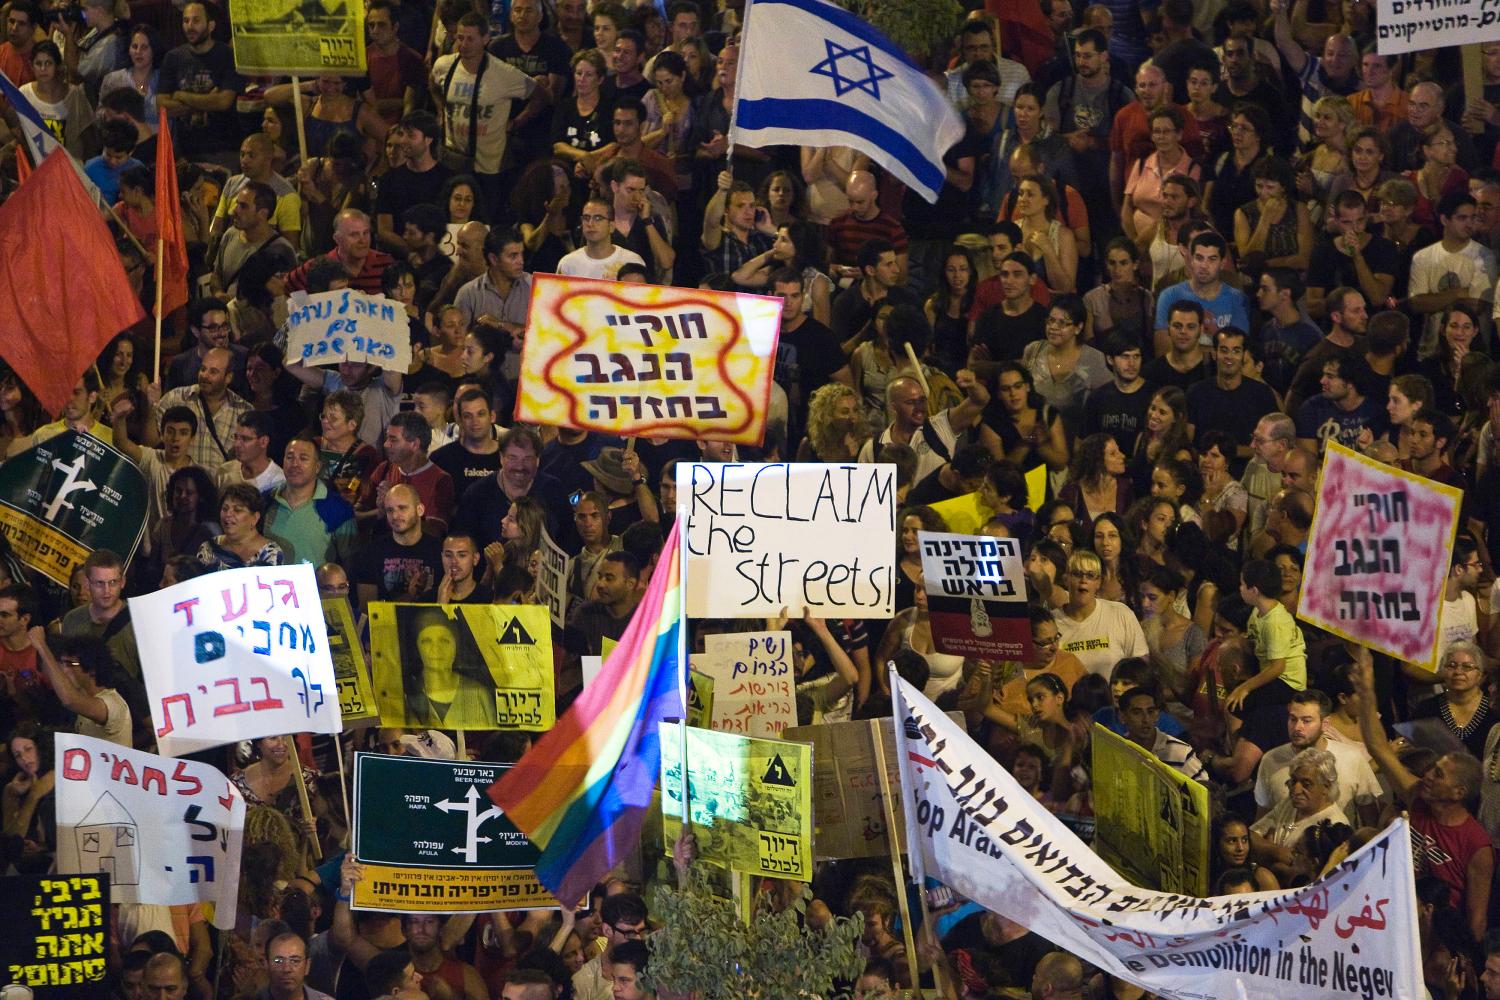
(842, 84)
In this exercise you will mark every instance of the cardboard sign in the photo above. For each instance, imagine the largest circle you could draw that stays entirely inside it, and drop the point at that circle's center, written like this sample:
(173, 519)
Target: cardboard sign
(976, 596)
(1414, 25)
(633, 359)
(356, 700)
(1378, 555)
(1151, 820)
(64, 498)
(754, 689)
(236, 655)
(165, 831)
(751, 800)
(53, 942)
(552, 581)
(463, 666)
(276, 38)
(1352, 933)
(761, 538)
(347, 325)
(431, 841)
(848, 814)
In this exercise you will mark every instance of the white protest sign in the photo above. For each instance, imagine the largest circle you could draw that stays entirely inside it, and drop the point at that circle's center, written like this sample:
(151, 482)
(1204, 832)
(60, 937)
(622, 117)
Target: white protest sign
(1410, 25)
(166, 831)
(754, 684)
(761, 538)
(348, 325)
(969, 824)
(552, 581)
(236, 655)
(976, 596)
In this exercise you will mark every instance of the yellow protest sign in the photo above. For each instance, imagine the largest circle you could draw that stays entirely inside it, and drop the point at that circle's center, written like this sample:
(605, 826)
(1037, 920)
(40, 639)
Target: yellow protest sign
(1151, 820)
(463, 666)
(635, 359)
(356, 700)
(751, 802)
(964, 515)
(298, 37)
(700, 705)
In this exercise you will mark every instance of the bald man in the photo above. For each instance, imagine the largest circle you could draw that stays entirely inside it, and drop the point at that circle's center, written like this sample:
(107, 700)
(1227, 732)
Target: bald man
(1058, 976)
(1424, 116)
(406, 564)
(863, 222)
(256, 152)
(165, 978)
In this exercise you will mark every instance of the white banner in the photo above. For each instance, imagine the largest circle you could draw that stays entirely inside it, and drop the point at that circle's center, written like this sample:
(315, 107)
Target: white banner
(761, 538)
(969, 825)
(165, 831)
(348, 325)
(236, 655)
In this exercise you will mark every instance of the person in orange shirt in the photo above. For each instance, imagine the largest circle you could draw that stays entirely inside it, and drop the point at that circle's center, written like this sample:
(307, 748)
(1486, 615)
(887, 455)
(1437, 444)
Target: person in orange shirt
(20, 37)
(1382, 102)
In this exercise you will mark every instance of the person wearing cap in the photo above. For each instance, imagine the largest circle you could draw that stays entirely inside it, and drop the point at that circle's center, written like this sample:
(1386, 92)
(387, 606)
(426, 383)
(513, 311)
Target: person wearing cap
(413, 183)
(103, 49)
(618, 475)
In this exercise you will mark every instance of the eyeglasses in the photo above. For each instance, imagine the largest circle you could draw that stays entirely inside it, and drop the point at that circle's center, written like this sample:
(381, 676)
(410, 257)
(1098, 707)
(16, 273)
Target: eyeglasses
(1051, 641)
(638, 931)
(287, 961)
(594, 218)
(1084, 574)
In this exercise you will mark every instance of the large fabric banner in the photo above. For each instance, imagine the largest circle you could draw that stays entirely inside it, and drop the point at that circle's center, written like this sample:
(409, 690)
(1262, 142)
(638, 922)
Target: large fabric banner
(1352, 933)
(1378, 555)
(64, 498)
(1151, 820)
(763, 538)
(628, 358)
(236, 655)
(290, 37)
(165, 831)
(463, 666)
(431, 841)
(53, 942)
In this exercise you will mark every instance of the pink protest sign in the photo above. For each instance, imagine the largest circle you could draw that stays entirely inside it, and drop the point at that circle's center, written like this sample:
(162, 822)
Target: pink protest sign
(1378, 555)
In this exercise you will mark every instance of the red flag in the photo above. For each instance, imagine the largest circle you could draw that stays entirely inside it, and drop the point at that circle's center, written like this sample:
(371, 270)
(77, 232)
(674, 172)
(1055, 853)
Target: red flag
(63, 290)
(23, 165)
(1025, 35)
(172, 269)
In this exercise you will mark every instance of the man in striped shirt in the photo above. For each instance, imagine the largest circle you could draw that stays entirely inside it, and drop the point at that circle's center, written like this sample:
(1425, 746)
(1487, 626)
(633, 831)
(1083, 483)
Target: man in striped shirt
(352, 249)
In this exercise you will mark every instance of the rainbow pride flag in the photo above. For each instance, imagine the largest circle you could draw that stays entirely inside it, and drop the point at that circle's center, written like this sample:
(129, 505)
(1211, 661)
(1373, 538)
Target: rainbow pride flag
(582, 791)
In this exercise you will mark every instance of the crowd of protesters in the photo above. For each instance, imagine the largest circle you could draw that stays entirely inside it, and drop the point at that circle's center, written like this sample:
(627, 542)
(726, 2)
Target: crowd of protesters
(1180, 249)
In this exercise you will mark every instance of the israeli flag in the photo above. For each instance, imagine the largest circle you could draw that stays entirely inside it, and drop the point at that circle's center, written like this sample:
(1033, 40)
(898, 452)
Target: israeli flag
(813, 74)
(40, 141)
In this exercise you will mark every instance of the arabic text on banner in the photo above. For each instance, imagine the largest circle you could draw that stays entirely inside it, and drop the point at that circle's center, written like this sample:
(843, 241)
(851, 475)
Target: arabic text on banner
(1378, 555)
(166, 831)
(761, 538)
(64, 498)
(1151, 820)
(463, 666)
(431, 841)
(627, 358)
(236, 655)
(751, 801)
(327, 328)
(299, 38)
(356, 700)
(976, 596)
(54, 935)
(1352, 933)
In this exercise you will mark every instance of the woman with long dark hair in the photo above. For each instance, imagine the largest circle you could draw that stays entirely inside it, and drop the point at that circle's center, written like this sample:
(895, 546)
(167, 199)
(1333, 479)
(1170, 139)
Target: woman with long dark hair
(948, 307)
(443, 674)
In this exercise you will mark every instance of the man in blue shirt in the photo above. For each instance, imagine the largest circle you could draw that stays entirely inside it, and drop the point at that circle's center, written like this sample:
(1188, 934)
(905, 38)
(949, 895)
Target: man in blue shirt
(1342, 409)
(1223, 305)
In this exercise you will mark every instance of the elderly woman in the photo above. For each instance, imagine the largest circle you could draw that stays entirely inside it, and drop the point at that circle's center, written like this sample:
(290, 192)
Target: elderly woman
(1438, 801)
(241, 507)
(1142, 206)
(1313, 782)
(1462, 706)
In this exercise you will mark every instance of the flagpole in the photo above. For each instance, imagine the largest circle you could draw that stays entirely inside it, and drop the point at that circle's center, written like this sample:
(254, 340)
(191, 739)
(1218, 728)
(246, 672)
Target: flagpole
(301, 128)
(682, 667)
(126, 230)
(161, 251)
(739, 72)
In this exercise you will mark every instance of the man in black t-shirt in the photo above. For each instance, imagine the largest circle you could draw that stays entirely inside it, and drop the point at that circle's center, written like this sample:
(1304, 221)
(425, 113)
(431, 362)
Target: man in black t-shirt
(1003, 331)
(545, 58)
(808, 355)
(420, 180)
(475, 453)
(405, 565)
(197, 87)
(1353, 253)
(1119, 408)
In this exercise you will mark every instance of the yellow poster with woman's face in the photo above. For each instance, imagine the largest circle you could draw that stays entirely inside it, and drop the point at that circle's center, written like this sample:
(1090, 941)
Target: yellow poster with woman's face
(462, 666)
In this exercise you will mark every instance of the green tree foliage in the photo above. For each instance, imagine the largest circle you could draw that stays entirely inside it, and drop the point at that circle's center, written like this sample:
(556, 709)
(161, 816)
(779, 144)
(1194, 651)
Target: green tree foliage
(918, 26)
